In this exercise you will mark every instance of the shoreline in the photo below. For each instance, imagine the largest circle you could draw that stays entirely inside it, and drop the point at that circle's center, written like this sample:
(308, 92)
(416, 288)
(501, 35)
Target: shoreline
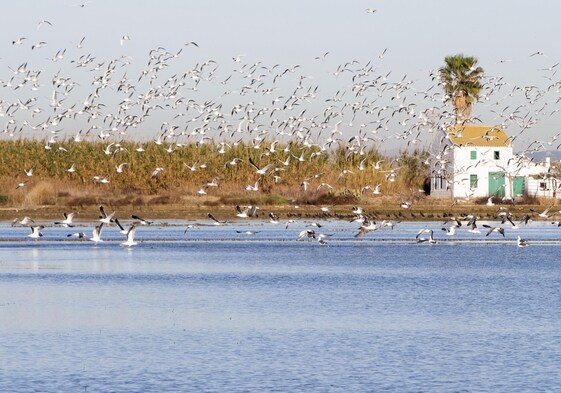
(427, 210)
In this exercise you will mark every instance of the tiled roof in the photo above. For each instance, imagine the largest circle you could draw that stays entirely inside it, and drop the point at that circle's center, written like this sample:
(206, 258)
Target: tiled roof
(478, 135)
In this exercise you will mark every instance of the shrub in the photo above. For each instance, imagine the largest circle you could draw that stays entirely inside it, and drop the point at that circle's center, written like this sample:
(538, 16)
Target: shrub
(43, 193)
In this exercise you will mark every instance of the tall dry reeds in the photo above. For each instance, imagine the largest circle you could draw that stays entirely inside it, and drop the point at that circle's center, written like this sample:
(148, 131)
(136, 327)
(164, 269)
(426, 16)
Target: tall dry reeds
(296, 171)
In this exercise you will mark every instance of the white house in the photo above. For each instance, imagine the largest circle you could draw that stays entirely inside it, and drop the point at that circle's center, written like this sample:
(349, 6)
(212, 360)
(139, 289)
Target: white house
(539, 180)
(479, 161)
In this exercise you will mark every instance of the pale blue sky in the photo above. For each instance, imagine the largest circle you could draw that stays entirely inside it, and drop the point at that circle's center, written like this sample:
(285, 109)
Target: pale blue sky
(415, 34)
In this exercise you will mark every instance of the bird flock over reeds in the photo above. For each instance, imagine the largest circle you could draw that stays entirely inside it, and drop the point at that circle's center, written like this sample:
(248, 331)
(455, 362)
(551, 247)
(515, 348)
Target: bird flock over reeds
(174, 115)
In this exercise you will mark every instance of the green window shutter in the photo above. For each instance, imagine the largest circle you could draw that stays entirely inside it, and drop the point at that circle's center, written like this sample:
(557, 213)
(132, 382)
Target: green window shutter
(473, 155)
(472, 181)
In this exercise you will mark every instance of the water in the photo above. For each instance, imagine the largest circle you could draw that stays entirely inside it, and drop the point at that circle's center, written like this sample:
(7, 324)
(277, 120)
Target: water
(213, 310)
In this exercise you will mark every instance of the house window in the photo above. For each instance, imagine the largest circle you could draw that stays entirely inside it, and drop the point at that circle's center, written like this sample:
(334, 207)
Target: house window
(473, 155)
(439, 183)
(497, 154)
(472, 181)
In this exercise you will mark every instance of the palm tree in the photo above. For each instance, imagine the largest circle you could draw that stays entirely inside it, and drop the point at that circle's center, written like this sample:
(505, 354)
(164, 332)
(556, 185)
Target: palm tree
(461, 80)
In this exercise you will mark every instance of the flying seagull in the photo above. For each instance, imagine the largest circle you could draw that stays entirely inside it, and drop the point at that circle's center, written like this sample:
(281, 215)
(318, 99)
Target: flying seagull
(273, 218)
(141, 220)
(104, 218)
(79, 235)
(421, 239)
(36, 231)
(96, 233)
(260, 171)
(306, 233)
(130, 236)
(249, 211)
(494, 229)
(67, 222)
(216, 221)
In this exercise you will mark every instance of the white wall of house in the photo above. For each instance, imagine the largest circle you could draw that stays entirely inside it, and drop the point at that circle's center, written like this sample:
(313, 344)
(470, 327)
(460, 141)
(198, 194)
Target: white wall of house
(472, 165)
(541, 187)
(480, 163)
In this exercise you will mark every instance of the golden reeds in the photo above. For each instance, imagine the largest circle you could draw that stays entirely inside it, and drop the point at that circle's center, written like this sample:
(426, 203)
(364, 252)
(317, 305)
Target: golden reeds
(297, 172)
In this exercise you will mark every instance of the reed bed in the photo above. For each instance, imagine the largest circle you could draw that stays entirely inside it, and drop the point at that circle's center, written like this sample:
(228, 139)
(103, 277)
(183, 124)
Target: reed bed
(297, 172)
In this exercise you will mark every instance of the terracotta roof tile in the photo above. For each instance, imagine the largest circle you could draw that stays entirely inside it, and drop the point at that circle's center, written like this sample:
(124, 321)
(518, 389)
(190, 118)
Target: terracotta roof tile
(478, 135)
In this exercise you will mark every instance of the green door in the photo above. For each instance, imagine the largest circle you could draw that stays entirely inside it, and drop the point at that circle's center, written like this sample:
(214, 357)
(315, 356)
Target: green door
(518, 186)
(497, 184)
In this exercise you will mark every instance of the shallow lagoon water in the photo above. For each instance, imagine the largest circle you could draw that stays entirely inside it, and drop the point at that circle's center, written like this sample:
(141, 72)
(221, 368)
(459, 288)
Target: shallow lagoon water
(214, 310)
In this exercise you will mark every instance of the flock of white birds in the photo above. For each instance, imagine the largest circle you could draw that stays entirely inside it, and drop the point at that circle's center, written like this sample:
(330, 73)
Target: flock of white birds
(174, 98)
(311, 230)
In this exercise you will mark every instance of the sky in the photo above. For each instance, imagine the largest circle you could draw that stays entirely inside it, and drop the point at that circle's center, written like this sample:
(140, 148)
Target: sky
(334, 60)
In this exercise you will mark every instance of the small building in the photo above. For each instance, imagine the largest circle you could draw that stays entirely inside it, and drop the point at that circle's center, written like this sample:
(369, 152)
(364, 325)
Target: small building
(540, 181)
(478, 161)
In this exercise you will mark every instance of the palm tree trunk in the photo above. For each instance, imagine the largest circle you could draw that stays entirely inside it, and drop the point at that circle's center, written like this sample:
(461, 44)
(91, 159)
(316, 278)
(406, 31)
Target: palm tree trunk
(462, 108)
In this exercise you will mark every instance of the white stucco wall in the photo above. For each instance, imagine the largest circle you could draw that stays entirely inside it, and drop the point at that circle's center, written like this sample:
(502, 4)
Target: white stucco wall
(457, 170)
(484, 162)
(539, 187)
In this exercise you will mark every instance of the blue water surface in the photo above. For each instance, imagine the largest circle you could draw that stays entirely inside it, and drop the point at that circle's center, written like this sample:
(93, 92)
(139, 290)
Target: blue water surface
(214, 310)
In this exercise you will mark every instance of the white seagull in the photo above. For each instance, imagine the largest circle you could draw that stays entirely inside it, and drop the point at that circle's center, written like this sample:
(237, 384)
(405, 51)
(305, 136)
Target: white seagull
(156, 172)
(122, 230)
(124, 38)
(216, 222)
(543, 214)
(79, 235)
(288, 223)
(141, 220)
(367, 226)
(104, 217)
(36, 231)
(260, 171)
(96, 233)
(249, 211)
(522, 242)
(451, 230)
(25, 220)
(494, 229)
(420, 239)
(67, 222)
(130, 236)
(273, 218)
(306, 233)
(121, 167)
